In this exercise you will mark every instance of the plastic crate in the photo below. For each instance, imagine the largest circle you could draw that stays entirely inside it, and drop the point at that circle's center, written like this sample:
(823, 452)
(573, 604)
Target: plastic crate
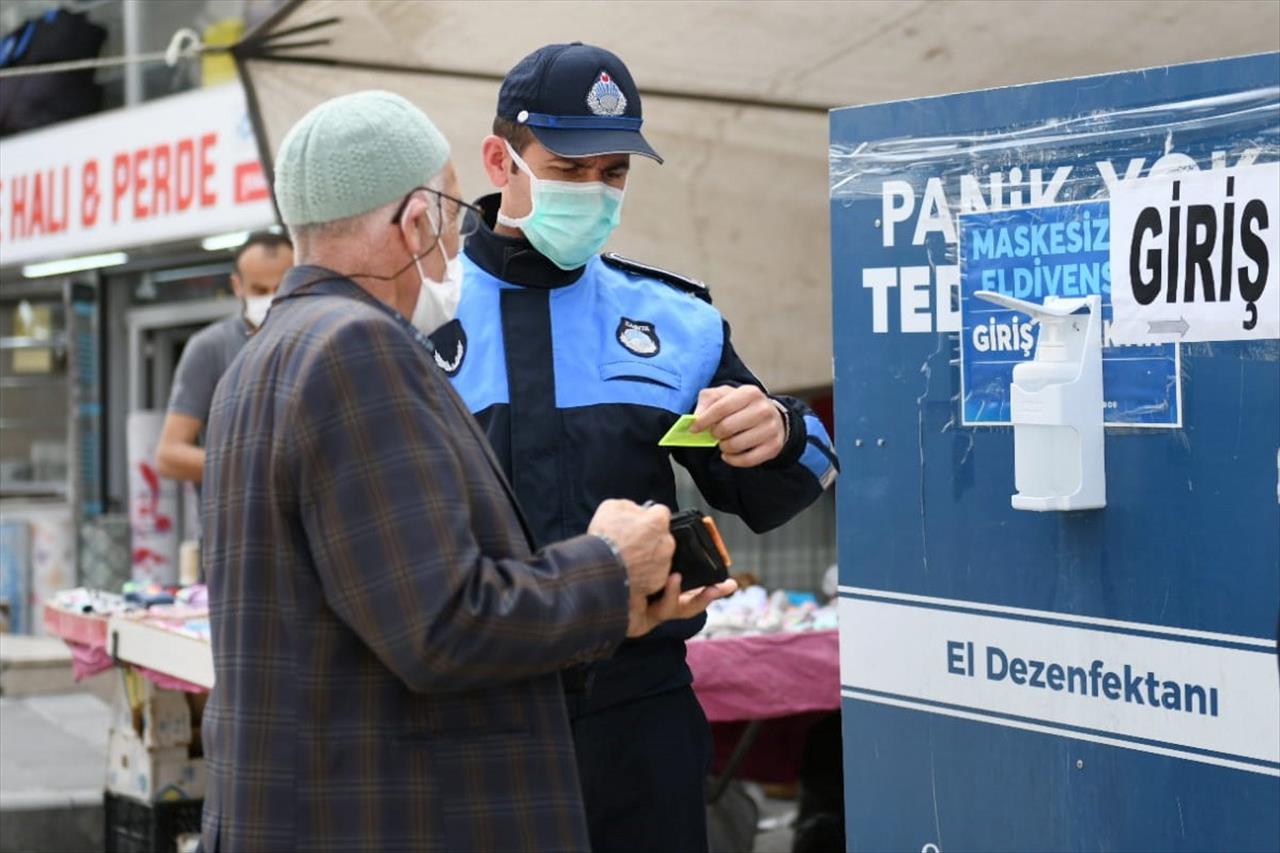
(137, 827)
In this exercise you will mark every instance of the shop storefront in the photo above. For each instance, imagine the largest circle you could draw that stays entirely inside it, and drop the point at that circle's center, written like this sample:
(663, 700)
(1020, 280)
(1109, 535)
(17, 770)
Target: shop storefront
(116, 234)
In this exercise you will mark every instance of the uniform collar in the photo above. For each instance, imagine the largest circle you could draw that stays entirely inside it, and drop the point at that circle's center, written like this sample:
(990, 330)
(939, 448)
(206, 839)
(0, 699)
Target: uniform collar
(513, 259)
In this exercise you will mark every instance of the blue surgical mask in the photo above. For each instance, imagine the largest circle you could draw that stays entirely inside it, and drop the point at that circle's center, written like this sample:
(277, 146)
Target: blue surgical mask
(570, 221)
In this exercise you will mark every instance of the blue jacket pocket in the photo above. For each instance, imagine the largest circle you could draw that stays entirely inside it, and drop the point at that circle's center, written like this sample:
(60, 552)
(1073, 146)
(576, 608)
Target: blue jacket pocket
(641, 371)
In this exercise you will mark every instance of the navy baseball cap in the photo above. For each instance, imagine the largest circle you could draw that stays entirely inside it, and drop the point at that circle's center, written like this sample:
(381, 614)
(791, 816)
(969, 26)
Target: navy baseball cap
(579, 100)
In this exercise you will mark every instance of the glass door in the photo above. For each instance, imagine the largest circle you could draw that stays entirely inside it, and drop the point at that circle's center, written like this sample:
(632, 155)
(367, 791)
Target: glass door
(34, 394)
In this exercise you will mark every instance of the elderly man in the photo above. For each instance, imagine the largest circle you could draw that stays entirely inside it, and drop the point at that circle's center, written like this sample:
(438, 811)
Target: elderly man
(386, 644)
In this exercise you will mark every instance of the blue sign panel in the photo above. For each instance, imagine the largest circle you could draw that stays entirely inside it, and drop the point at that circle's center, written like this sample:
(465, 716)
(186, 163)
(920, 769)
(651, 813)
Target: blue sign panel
(1013, 680)
(1033, 253)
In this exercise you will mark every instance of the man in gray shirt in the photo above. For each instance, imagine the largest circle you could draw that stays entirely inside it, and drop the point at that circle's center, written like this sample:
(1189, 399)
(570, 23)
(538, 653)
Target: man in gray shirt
(260, 264)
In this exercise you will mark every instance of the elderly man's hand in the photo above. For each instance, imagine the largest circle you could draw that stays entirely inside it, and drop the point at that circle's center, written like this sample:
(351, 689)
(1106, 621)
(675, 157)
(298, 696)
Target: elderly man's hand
(674, 604)
(642, 537)
(750, 427)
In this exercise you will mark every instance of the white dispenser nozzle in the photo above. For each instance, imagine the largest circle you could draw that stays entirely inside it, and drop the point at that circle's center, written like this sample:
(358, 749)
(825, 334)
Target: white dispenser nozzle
(1056, 401)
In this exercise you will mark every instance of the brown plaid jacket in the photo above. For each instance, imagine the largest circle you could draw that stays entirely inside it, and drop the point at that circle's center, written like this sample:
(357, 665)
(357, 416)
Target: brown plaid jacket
(385, 644)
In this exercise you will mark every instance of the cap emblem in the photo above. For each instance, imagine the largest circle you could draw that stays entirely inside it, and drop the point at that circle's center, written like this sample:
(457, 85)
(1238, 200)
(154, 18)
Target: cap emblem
(604, 98)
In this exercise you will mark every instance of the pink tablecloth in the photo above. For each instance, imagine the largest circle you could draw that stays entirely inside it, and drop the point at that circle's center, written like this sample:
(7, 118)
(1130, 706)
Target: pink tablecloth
(90, 660)
(766, 676)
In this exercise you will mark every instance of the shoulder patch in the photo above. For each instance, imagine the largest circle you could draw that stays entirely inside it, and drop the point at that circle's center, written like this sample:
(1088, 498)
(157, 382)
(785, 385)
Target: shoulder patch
(450, 347)
(679, 282)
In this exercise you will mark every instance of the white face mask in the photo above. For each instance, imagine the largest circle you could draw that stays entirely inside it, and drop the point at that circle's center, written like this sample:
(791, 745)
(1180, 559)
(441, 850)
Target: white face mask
(255, 309)
(438, 300)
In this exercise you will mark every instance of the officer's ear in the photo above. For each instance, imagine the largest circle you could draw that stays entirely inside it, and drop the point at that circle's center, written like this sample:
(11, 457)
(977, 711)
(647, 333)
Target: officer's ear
(497, 162)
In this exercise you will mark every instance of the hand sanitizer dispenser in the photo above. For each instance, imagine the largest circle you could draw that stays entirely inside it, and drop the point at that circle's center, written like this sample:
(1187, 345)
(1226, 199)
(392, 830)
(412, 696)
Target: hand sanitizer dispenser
(1057, 403)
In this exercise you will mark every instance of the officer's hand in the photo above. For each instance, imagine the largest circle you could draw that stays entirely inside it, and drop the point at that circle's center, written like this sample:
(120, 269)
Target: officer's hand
(751, 429)
(643, 538)
(674, 604)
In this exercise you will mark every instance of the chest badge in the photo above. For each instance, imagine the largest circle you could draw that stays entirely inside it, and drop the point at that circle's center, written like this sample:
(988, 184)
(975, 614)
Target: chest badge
(639, 338)
(451, 347)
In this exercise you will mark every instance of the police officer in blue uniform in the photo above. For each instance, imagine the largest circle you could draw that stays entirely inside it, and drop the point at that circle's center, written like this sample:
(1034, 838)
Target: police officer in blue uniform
(576, 364)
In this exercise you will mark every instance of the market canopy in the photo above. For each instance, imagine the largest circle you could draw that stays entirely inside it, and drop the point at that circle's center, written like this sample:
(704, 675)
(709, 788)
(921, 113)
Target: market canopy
(735, 98)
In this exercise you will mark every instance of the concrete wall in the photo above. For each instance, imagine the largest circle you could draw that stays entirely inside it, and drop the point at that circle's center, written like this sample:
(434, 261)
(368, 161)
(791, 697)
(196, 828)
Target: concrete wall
(742, 199)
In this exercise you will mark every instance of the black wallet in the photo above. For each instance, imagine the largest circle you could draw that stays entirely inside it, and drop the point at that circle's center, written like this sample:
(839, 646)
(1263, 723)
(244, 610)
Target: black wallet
(700, 557)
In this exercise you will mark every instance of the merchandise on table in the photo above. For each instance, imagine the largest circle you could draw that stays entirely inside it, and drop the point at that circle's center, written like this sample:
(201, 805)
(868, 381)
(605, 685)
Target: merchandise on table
(79, 617)
(88, 601)
(168, 643)
(755, 611)
(134, 596)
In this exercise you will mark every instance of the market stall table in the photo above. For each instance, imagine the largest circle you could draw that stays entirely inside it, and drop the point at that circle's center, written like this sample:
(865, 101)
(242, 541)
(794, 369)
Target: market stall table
(785, 680)
(155, 776)
(761, 691)
(169, 645)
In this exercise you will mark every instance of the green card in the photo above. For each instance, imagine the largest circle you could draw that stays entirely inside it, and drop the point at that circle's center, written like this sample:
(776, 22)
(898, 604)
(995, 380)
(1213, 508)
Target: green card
(679, 435)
